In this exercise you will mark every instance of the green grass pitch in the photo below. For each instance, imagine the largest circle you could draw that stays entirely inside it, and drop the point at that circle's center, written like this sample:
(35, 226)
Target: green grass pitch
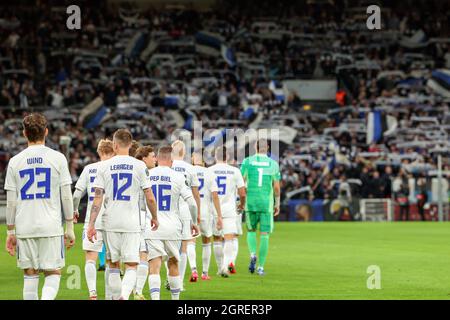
(306, 261)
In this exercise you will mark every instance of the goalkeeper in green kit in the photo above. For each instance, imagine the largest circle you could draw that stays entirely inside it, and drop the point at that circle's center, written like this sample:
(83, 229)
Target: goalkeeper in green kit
(262, 176)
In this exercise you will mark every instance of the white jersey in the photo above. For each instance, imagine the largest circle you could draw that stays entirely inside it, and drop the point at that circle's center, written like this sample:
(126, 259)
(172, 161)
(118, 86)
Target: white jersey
(85, 184)
(144, 211)
(37, 175)
(208, 185)
(190, 175)
(229, 179)
(169, 187)
(122, 178)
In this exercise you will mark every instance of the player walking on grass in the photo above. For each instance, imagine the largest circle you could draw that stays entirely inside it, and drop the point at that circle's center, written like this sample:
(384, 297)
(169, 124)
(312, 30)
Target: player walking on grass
(188, 243)
(229, 182)
(147, 155)
(38, 189)
(262, 175)
(164, 244)
(85, 185)
(119, 181)
(211, 216)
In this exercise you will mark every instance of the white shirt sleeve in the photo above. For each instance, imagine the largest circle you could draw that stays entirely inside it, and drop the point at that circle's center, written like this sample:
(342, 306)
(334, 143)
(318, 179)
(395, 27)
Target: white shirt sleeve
(64, 172)
(144, 177)
(239, 179)
(82, 182)
(185, 191)
(10, 182)
(212, 181)
(99, 181)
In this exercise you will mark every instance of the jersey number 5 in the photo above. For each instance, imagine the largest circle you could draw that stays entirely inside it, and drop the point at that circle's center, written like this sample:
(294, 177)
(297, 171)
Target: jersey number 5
(32, 173)
(221, 185)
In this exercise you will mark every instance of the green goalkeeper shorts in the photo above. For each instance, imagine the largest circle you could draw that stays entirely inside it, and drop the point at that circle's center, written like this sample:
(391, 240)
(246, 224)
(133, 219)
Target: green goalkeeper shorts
(264, 219)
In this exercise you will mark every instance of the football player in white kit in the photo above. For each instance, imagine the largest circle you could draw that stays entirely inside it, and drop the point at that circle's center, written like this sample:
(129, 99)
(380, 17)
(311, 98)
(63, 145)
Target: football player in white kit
(188, 243)
(119, 181)
(165, 243)
(147, 155)
(85, 185)
(38, 190)
(229, 182)
(211, 216)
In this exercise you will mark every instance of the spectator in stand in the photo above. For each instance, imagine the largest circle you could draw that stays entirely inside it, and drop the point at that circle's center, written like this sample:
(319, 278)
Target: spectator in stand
(422, 196)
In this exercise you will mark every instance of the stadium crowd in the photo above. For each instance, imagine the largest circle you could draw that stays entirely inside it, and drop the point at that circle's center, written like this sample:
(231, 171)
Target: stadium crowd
(154, 74)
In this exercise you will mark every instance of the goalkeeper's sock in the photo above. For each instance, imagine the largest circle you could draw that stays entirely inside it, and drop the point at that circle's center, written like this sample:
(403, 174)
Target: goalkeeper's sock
(263, 249)
(251, 242)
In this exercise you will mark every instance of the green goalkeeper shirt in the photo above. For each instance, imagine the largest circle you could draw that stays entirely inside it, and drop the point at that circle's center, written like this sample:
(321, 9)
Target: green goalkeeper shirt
(260, 172)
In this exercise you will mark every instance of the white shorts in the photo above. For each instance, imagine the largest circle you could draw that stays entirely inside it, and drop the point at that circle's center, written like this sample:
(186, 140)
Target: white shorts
(123, 246)
(229, 225)
(142, 245)
(206, 227)
(163, 248)
(96, 246)
(108, 254)
(239, 224)
(186, 233)
(41, 253)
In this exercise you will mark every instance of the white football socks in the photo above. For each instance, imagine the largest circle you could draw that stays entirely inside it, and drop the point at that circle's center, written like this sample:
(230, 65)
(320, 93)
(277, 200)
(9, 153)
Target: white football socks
(115, 283)
(235, 249)
(128, 283)
(108, 293)
(218, 254)
(30, 287)
(228, 249)
(154, 282)
(51, 287)
(90, 272)
(141, 276)
(183, 263)
(175, 285)
(192, 256)
(206, 257)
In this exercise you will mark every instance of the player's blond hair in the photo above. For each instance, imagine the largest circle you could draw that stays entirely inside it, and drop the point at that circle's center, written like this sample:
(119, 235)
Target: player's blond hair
(178, 149)
(105, 147)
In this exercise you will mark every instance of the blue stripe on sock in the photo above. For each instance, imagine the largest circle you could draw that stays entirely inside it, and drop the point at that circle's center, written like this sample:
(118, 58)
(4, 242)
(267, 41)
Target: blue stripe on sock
(154, 290)
(175, 290)
(113, 270)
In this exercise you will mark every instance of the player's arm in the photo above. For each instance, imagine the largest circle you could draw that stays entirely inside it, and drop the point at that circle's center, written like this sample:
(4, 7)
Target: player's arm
(11, 205)
(277, 194)
(151, 203)
(77, 196)
(67, 206)
(187, 196)
(196, 195)
(95, 210)
(242, 198)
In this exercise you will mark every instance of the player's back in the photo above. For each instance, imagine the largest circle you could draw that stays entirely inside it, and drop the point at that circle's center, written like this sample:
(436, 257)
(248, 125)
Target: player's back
(260, 172)
(37, 174)
(85, 183)
(207, 185)
(190, 175)
(228, 179)
(168, 187)
(122, 178)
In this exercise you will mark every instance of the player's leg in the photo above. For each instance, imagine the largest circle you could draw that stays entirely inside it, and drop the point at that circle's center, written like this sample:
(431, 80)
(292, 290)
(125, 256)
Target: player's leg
(206, 257)
(192, 258)
(51, 261)
(114, 280)
(154, 278)
(232, 267)
(90, 273)
(218, 252)
(229, 231)
(266, 227)
(142, 270)
(108, 293)
(102, 259)
(252, 219)
(130, 252)
(183, 262)
(27, 260)
(171, 247)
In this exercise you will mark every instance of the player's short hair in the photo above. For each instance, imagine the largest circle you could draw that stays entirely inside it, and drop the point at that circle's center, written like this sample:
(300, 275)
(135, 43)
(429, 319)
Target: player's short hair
(221, 153)
(34, 126)
(178, 148)
(165, 152)
(262, 145)
(123, 138)
(143, 152)
(134, 146)
(105, 146)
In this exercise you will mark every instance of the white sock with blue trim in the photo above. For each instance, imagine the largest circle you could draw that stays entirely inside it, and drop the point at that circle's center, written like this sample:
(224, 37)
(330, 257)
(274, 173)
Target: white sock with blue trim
(141, 276)
(154, 282)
